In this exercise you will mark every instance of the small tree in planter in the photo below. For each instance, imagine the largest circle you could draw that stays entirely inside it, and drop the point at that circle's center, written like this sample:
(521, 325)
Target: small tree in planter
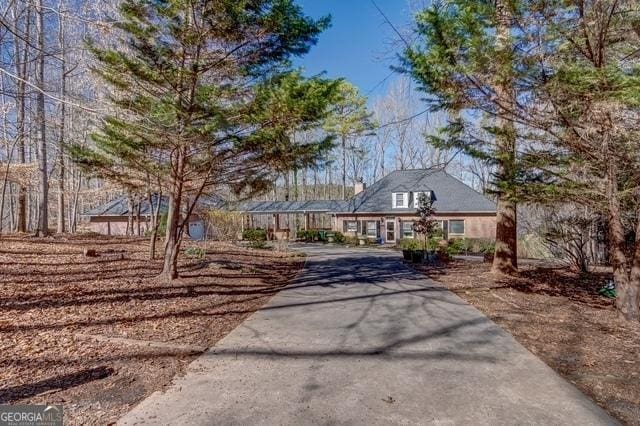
(426, 225)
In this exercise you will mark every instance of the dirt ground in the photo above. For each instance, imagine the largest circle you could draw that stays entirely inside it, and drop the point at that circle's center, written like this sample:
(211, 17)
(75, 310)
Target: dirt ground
(559, 316)
(98, 334)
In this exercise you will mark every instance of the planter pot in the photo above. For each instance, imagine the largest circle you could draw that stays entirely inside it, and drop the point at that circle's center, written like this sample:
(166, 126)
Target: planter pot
(406, 254)
(417, 256)
(488, 257)
(361, 242)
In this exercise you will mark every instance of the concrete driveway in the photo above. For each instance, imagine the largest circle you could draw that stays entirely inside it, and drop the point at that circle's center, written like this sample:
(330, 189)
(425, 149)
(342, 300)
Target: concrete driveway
(361, 339)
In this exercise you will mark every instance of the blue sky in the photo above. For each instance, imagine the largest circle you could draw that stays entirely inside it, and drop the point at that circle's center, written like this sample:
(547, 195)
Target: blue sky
(358, 46)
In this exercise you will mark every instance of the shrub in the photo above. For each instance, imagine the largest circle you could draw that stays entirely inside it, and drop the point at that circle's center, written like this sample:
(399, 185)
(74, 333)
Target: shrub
(410, 244)
(309, 235)
(455, 246)
(195, 252)
(256, 237)
(224, 226)
(354, 241)
(487, 247)
(339, 237)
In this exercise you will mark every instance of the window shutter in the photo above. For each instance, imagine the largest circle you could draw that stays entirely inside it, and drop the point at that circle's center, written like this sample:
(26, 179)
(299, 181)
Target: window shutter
(393, 200)
(377, 229)
(406, 199)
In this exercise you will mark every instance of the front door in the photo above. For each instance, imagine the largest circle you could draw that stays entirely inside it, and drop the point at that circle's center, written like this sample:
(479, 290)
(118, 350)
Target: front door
(391, 229)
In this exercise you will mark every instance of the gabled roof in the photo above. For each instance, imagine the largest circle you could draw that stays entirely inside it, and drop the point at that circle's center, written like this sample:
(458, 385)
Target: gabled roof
(450, 194)
(120, 205)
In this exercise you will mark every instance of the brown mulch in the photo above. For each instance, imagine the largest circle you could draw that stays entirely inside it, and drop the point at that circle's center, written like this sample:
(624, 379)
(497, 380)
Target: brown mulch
(559, 316)
(98, 334)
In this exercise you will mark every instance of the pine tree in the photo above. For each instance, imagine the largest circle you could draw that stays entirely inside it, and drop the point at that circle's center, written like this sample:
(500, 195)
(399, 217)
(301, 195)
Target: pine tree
(184, 78)
(350, 119)
(465, 63)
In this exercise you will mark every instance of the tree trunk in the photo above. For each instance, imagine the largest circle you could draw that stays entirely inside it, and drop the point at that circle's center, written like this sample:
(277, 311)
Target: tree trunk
(155, 223)
(173, 236)
(505, 260)
(130, 207)
(63, 92)
(21, 71)
(627, 280)
(344, 167)
(43, 217)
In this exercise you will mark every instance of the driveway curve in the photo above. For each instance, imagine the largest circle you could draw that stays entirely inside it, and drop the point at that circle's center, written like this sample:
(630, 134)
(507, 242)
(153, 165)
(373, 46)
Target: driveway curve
(359, 338)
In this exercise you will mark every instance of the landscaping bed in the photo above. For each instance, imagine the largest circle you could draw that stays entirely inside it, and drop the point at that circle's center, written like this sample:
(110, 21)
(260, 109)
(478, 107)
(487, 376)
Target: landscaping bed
(98, 334)
(559, 316)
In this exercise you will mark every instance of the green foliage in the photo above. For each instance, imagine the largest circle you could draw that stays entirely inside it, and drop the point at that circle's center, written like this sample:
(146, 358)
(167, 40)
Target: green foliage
(487, 247)
(202, 93)
(162, 224)
(410, 244)
(339, 237)
(257, 237)
(350, 116)
(426, 225)
(456, 246)
(309, 235)
(195, 252)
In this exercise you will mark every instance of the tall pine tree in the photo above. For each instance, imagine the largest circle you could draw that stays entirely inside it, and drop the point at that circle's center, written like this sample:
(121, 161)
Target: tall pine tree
(465, 64)
(184, 77)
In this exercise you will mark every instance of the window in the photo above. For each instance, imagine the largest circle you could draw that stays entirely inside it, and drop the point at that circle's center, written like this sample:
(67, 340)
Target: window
(407, 229)
(456, 227)
(400, 200)
(372, 229)
(352, 226)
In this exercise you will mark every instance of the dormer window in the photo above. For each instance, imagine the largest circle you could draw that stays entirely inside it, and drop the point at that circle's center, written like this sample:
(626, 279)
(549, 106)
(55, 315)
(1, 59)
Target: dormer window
(400, 200)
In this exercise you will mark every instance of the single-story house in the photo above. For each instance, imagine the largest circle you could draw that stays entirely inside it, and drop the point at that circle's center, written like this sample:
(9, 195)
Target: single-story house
(387, 209)
(112, 218)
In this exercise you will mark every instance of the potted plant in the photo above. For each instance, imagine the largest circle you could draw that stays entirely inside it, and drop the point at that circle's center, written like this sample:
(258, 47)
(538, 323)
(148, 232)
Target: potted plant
(409, 245)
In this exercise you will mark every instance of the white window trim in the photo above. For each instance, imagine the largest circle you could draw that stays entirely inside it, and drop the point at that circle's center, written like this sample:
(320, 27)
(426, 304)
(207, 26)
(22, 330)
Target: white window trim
(464, 224)
(402, 230)
(375, 229)
(405, 200)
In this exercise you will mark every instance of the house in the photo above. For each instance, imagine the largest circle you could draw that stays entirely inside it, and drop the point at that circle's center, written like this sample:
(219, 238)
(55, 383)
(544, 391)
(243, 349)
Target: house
(112, 218)
(384, 211)
(387, 209)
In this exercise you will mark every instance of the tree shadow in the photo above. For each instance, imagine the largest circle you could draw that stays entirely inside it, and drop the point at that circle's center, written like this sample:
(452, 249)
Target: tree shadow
(58, 383)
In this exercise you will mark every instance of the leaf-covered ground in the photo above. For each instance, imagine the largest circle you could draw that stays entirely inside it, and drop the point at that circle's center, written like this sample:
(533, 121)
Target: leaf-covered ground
(98, 334)
(559, 316)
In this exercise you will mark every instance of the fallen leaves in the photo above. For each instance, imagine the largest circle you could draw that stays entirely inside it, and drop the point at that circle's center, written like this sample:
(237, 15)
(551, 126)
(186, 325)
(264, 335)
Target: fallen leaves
(559, 316)
(52, 297)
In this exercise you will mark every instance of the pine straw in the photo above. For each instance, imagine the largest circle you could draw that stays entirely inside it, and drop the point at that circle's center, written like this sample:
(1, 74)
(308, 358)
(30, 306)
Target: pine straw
(59, 311)
(559, 316)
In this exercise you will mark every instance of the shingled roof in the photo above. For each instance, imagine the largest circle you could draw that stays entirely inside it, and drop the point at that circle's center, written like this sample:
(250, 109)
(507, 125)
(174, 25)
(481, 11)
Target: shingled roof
(450, 194)
(293, 207)
(120, 206)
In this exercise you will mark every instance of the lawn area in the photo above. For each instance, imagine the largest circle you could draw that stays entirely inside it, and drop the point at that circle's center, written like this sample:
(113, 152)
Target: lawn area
(559, 316)
(98, 334)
